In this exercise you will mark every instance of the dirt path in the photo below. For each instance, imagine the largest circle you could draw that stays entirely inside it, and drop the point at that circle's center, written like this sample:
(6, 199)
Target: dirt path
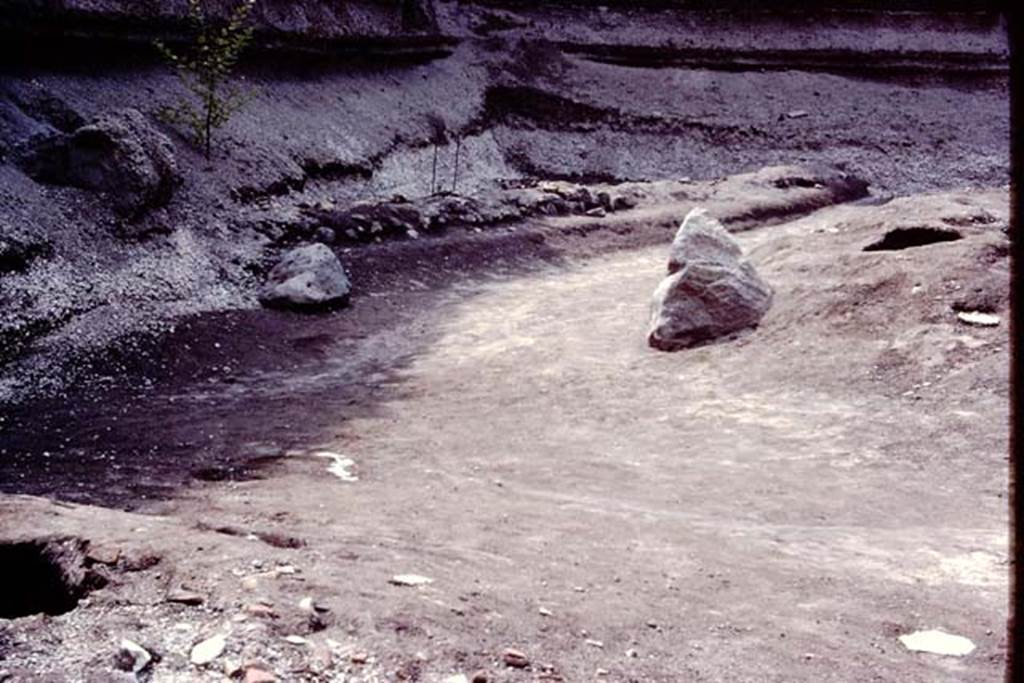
(779, 507)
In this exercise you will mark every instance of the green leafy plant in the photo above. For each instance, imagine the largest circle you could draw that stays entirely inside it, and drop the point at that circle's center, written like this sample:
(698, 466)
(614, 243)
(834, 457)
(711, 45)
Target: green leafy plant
(205, 69)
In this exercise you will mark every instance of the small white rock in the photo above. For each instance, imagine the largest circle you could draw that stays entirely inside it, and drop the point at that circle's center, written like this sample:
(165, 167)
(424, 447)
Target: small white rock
(296, 640)
(140, 655)
(340, 466)
(545, 612)
(208, 650)
(937, 642)
(978, 318)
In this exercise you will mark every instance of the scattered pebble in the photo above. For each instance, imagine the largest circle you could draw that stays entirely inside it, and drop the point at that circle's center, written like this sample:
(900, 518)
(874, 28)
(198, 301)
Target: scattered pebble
(260, 610)
(359, 658)
(208, 650)
(978, 318)
(456, 678)
(134, 656)
(254, 674)
(410, 580)
(340, 466)
(602, 672)
(545, 612)
(296, 640)
(937, 642)
(594, 643)
(796, 114)
(515, 659)
(632, 654)
(104, 554)
(185, 597)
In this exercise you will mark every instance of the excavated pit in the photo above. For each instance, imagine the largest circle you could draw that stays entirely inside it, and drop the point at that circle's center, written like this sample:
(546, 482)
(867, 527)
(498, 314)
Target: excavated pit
(45, 576)
(898, 239)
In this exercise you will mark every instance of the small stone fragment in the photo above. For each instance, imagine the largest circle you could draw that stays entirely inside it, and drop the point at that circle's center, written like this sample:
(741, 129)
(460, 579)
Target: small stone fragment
(602, 672)
(545, 612)
(255, 674)
(456, 678)
(359, 658)
(597, 212)
(296, 640)
(632, 654)
(208, 650)
(480, 677)
(260, 610)
(185, 597)
(796, 114)
(978, 319)
(515, 659)
(133, 657)
(594, 643)
(410, 580)
(103, 554)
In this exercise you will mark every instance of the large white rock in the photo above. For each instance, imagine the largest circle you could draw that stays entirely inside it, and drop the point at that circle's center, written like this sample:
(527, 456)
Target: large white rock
(309, 277)
(711, 291)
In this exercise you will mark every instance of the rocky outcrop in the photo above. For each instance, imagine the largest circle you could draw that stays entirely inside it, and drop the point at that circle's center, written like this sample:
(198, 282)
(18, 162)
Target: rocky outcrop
(119, 153)
(307, 278)
(399, 216)
(711, 292)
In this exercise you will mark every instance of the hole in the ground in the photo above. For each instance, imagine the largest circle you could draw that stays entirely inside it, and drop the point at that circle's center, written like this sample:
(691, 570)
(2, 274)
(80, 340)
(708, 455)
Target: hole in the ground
(43, 576)
(794, 181)
(906, 238)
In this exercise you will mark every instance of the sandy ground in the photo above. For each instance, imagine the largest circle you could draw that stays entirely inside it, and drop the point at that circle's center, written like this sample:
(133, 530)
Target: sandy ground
(777, 507)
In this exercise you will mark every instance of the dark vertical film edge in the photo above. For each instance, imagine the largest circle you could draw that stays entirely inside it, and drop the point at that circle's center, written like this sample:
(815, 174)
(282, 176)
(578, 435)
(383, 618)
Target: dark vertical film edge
(1015, 665)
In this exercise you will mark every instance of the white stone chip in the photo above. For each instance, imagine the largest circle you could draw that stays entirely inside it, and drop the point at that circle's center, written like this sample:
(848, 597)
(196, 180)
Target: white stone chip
(208, 650)
(340, 466)
(978, 318)
(937, 642)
